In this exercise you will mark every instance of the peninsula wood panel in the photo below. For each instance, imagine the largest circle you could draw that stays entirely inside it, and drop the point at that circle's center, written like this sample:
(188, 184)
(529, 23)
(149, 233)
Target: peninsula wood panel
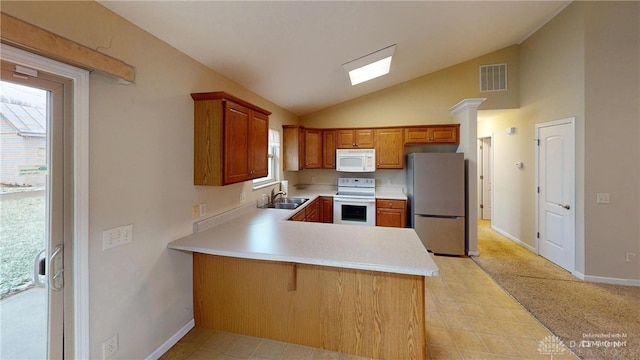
(367, 313)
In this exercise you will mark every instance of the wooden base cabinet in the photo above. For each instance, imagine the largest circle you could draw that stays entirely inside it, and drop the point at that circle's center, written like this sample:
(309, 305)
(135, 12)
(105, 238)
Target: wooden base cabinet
(366, 313)
(391, 213)
(326, 209)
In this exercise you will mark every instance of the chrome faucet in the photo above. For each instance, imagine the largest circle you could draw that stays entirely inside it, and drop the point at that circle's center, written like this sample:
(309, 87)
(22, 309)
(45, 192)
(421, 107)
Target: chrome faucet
(275, 194)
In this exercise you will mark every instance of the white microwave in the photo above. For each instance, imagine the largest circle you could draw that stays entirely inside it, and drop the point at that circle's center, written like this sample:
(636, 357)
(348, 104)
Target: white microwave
(356, 160)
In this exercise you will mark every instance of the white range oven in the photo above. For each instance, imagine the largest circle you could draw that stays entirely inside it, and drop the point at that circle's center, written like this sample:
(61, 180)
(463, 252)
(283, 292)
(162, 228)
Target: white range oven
(355, 202)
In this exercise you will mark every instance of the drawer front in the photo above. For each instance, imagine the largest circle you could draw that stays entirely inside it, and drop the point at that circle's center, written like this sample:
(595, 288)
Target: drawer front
(390, 204)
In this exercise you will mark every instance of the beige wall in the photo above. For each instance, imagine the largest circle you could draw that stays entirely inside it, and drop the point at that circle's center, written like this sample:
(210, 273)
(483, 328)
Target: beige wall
(583, 64)
(425, 100)
(552, 88)
(141, 149)
(612, 137)
(141, 166)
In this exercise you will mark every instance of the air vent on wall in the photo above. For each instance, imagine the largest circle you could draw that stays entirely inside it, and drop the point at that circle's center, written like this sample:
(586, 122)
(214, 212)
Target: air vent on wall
(493, 77)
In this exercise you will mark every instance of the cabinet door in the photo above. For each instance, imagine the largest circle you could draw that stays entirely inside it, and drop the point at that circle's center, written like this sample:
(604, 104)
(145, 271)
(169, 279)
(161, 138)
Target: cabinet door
(293, 147)
(416, 135)
(391, 213)
(313, 149)
(355, 139)
(444, 134)
(364, 138)
(299, 216)
(312, 212)
(346, 139)
(236, 143)
(329, 149)
(259, 146)
(326, 209)
(389, 149)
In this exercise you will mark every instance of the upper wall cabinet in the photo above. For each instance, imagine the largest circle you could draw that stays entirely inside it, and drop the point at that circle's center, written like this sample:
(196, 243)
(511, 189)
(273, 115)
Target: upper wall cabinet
(293, 147)
(329, 149)
(312, 149)
(433, 134)
(389, 149)
(355, 139)
(231, 139)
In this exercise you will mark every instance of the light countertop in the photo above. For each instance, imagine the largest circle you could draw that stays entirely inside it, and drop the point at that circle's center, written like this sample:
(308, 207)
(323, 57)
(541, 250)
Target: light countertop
(266, 234)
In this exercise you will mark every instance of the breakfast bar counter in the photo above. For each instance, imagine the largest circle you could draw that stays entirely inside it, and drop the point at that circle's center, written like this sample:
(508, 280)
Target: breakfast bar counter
(347, 288)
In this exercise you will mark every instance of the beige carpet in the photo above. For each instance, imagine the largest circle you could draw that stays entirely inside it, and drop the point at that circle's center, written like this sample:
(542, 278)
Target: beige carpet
(596, 321)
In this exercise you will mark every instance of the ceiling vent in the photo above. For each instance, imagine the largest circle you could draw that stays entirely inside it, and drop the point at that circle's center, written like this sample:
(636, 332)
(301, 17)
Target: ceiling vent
(493, 77)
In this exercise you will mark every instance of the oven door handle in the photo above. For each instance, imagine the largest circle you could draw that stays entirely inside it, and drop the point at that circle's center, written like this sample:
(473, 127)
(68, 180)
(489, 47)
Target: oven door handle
(358, 201)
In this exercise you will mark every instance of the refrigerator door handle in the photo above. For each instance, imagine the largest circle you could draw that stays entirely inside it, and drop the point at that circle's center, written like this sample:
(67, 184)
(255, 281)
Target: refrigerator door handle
(439, 216)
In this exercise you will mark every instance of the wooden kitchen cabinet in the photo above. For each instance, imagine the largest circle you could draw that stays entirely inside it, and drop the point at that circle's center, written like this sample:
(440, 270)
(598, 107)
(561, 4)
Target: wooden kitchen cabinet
(437, 134)
(328, 149)
(231, 139)
(326, 209)
(293, 150)
(355, 139)
(299, 216)
(389, 148)
(313, 149)
(391, 212)
(312, 212)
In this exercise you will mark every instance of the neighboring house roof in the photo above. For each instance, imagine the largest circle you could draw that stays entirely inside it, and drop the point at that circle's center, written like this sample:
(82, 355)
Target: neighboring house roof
(27, 120)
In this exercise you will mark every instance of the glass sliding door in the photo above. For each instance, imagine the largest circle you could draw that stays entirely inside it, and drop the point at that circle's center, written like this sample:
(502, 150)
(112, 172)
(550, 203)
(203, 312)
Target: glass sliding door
(36, 212)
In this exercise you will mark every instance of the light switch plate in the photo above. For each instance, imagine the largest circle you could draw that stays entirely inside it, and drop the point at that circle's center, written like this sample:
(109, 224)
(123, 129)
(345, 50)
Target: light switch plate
(602, 198)
(117, 236)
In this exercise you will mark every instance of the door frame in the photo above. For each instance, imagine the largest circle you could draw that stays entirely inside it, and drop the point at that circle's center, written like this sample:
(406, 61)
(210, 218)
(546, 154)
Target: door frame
(571, 121)
(80, 79)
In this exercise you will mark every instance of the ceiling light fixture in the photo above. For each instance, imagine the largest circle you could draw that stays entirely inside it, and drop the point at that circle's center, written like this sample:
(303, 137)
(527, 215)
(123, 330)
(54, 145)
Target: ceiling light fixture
(370, 66)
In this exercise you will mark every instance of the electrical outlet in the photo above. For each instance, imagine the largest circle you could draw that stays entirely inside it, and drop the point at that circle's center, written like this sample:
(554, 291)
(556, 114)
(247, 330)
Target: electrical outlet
(313, 179)
(117, 236)
(203, 209)
(628, 257)
(602, 198)
(110, 347)
(195, 211)
(243, 197)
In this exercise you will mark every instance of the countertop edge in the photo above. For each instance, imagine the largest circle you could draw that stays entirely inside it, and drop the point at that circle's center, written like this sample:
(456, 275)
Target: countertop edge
(308, 261)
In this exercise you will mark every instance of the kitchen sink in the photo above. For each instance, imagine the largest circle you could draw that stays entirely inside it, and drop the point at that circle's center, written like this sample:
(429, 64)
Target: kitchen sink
(292, 201)
(286, 203)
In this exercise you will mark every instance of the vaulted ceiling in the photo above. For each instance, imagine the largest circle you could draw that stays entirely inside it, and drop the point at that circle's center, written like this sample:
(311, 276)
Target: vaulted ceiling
(291, 52)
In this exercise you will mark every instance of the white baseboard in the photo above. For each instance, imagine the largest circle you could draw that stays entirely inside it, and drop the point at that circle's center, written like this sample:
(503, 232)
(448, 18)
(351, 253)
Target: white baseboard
(607, 280)
(172, 341)
(514, 239)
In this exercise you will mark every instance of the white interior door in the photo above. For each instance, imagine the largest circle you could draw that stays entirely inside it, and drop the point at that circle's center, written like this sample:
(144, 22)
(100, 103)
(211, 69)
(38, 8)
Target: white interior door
(556, 192)
(485, 170)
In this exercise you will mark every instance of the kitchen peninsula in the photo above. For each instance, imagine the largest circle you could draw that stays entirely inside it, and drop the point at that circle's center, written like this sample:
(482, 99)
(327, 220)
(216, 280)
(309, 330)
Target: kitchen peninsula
(347, 288)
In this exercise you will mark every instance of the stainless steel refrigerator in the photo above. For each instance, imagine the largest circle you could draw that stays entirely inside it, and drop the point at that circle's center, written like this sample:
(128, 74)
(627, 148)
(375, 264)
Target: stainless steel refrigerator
(436, 191)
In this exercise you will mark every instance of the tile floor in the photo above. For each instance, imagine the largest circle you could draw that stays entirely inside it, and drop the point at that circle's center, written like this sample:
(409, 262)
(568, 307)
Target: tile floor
(468, 317)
